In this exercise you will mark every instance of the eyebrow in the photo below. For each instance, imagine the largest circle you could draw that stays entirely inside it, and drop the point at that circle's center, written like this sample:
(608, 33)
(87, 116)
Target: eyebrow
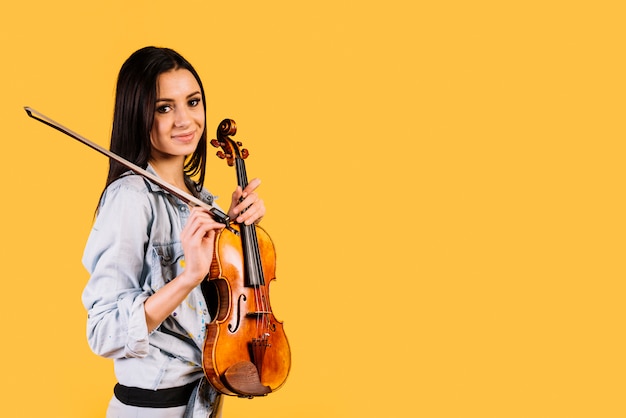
(189, 96)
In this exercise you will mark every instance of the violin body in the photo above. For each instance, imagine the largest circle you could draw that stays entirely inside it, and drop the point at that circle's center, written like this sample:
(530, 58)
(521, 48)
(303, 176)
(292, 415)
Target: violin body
(246, 352)
(230, 348)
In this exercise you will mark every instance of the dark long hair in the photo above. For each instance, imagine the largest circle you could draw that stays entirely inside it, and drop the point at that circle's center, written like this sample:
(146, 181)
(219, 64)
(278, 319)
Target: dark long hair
(135, 102)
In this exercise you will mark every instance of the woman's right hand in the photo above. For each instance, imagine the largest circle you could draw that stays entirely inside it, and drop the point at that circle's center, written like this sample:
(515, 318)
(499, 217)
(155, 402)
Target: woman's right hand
(198, 239)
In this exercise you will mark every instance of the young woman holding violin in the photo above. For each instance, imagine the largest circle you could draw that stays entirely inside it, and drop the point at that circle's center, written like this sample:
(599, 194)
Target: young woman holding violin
(148, 251)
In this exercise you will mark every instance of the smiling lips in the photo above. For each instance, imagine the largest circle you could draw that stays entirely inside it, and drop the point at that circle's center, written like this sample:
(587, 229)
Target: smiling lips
(185, 137)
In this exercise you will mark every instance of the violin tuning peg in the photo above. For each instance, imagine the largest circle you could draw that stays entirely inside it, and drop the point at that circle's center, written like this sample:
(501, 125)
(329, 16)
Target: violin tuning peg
(239, 143)
(244, 153)
(220, 155)
(215, 143)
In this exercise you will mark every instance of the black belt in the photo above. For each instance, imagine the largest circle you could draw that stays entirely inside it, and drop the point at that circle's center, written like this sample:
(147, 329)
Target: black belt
(160, 398)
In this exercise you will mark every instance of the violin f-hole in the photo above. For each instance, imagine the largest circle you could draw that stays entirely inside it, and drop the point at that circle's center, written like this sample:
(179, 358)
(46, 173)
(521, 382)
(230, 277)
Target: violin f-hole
(242, 298)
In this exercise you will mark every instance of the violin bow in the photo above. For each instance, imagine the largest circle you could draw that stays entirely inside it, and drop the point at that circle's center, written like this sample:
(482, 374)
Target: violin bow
(217, 214)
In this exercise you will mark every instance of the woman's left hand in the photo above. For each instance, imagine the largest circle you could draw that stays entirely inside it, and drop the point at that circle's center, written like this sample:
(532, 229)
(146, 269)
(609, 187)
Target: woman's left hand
(246, 206)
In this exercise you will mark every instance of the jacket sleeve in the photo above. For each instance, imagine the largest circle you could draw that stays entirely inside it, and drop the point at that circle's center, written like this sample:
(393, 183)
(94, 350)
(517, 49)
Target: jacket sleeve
(115, 256)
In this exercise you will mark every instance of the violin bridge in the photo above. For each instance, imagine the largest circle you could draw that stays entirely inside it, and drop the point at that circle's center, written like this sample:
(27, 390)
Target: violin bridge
(258, 313)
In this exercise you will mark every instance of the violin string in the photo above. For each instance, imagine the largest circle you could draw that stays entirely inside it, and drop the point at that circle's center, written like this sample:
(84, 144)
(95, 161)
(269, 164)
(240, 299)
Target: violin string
(252, 254)
(257, 284)
(262, 298)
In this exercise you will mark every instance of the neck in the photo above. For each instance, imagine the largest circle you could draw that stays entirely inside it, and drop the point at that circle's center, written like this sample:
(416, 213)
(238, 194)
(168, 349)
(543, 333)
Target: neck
(170, 171)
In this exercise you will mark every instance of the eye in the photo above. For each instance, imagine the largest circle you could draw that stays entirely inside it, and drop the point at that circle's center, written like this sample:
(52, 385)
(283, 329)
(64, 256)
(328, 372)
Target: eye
(163, 108)
(194, 102)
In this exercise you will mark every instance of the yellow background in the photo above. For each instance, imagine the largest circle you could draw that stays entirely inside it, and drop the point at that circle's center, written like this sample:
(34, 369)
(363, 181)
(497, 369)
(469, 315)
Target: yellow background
(444, 184)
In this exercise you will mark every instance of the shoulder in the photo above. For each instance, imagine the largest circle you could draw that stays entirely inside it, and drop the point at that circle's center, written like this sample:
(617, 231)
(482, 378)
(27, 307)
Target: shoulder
(206, 196)
(131, 189)
(131, 182)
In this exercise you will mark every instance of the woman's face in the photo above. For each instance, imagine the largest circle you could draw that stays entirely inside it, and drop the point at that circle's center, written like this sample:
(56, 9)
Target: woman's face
(178, 116)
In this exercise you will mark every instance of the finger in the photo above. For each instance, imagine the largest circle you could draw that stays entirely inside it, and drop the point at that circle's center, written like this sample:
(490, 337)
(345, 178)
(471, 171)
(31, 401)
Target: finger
(252, 186)
(200, 223)
(245, 204)
(253, 213)
(205, 213)
(237, 195)
(204, 232)
(247, 200)
(200, 210)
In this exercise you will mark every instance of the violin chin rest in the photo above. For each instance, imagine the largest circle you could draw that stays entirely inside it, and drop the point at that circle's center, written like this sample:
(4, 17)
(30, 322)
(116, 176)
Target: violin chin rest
(243, 378)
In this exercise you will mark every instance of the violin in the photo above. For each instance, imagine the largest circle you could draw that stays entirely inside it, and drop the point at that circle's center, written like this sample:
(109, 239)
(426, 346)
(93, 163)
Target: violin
(246, 352)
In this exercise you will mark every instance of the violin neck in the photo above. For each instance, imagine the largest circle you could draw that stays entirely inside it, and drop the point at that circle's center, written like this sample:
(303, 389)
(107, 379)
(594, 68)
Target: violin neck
(242, 177)
(249, 241)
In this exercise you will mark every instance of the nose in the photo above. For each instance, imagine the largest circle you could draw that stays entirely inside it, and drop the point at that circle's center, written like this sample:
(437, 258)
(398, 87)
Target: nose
(182, 118)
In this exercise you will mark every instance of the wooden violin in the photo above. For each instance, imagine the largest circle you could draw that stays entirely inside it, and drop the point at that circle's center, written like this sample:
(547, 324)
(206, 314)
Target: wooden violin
(246, 352)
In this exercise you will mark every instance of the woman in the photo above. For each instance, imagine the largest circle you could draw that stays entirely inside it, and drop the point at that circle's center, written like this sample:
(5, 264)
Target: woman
(148, 252)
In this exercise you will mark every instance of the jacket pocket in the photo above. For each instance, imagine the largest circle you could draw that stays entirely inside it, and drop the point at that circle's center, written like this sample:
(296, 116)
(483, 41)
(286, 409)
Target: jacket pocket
(166, 263)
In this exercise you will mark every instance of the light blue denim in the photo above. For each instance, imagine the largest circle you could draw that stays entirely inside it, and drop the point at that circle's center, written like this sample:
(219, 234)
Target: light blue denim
(133, 250)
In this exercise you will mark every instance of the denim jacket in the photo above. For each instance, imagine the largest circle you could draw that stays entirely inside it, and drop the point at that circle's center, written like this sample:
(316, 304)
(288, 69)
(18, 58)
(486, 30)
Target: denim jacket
(133, 250)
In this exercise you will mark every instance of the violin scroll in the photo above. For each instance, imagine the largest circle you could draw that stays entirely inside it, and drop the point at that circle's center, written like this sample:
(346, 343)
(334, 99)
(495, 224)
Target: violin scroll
(231, 149)
(227, 127)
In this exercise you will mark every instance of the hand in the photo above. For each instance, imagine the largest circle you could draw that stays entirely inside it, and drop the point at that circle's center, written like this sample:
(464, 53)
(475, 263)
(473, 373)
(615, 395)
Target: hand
(246, 207)
(198, 240)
